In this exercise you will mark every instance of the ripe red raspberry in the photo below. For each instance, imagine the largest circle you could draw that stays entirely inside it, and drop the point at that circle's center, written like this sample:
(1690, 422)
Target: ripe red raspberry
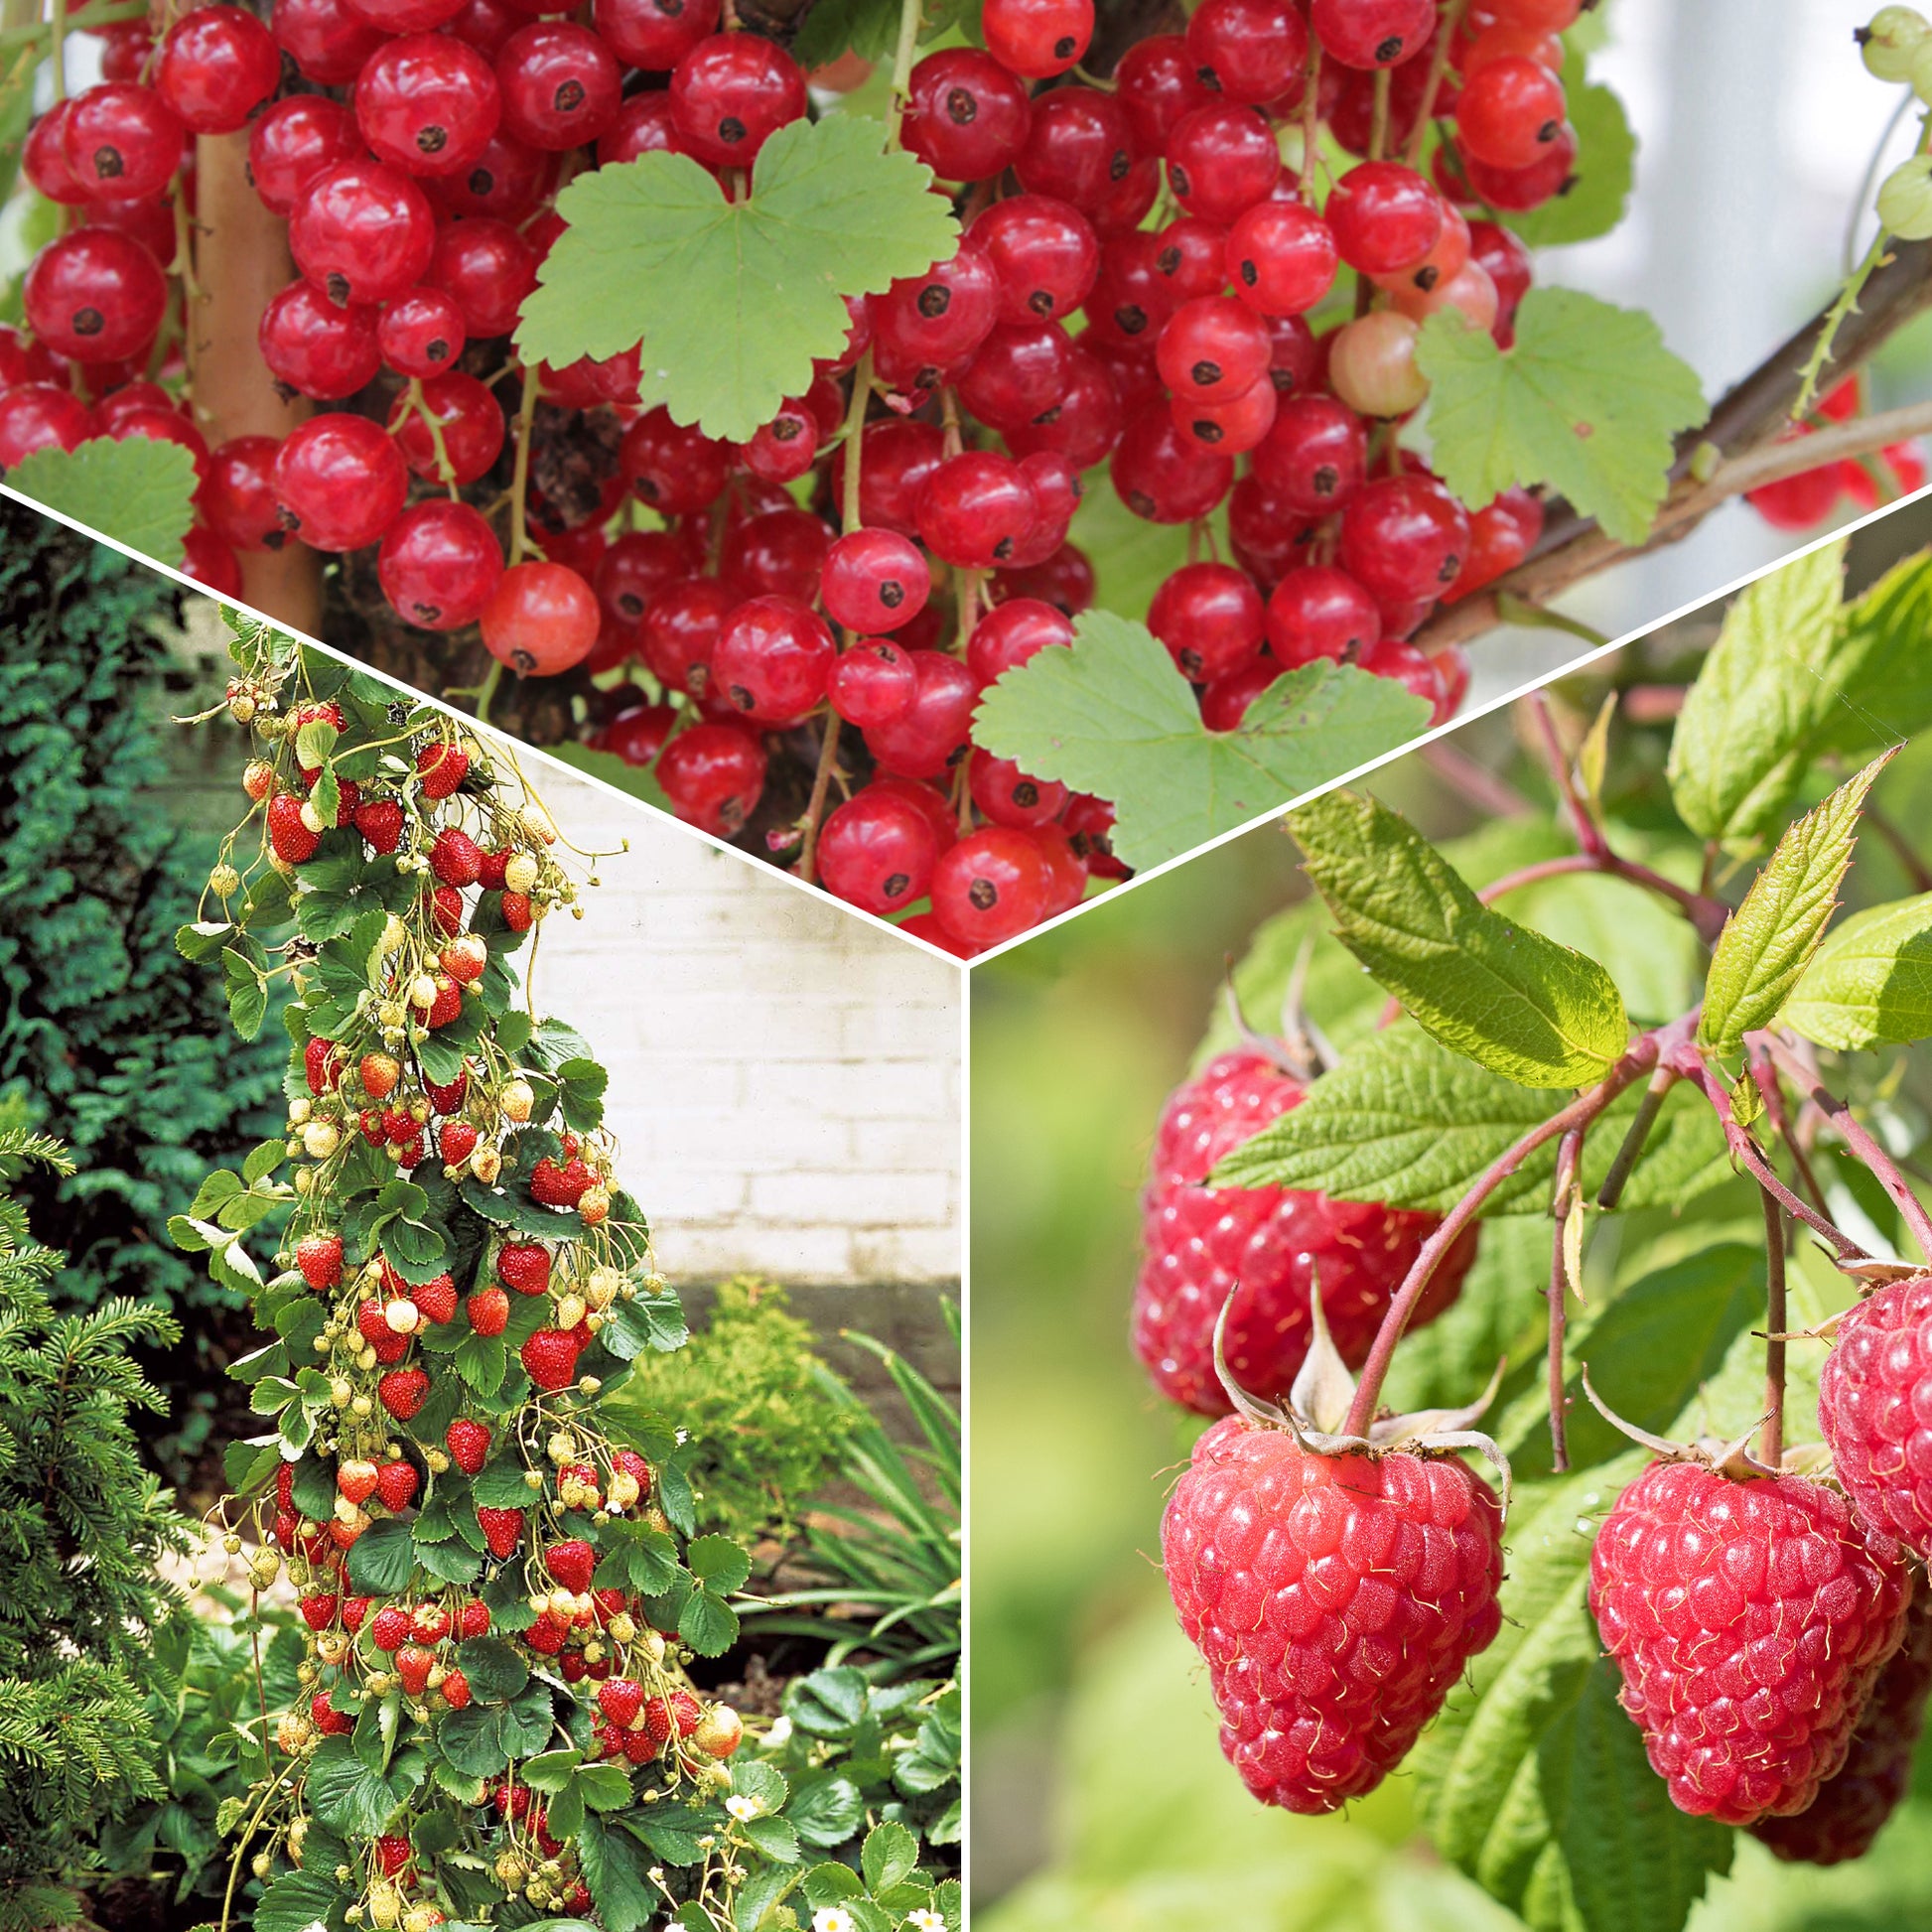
(1852, 1808)
(1201, 1242)
(1750, 1619)
(1336, 1599)
(502, 1530)
(1872, 1397)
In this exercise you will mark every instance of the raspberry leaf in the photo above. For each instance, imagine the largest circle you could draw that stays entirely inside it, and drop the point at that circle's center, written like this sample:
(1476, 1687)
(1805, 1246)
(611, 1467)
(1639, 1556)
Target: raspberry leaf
(139, 492)
(1883, 672)
(1112, 714)
(1871, 983)
(1764, 950)
(1403, 1120)
(1515, 1002)
(732, 300)
(1587, 401)
(1743, 742)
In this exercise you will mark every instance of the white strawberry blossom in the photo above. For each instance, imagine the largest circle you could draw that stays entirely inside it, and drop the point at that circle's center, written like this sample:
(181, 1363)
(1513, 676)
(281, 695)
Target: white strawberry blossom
(742, 1808)
(832, 1918)
(924, 1921)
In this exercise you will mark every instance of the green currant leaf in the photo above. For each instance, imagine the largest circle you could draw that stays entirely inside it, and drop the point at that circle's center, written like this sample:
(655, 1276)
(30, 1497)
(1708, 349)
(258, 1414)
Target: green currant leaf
(1112, 714)
(732, 301)
(1587, 400)
(1764, 951)
(1481, 982)
(138, 492)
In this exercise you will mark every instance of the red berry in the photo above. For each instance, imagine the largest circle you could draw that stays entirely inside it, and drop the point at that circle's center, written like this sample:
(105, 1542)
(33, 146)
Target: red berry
(874, 581)
(1222, 160)
(96, 295)
(570, 1562)
(1281, 258)
(489, 1310)
(1038, 39)
(395, 1484)
(1871, 1397)
(1385, 217)
(467, 413)
(1159, 82)
(968, 117)
(654, 35)
(1404, 539)
(1043, 253)
(991, 886)
(922, 740)
(1509, 111)
(293, 141)
(550, 1356)
(541, 618)
(712, 775)
(315, 348)
(338, 482)
(674, 470)
(439, 562)
(1267, 1246)
(1749, 1620)
(1321, 611)
(216, 67)
(1249, 50)
(319, 1256)
(1372, 33)
(326, 40)
(873, 683)
(436, 1298)
(1163, 477)
(525, 1267)
(1384, 1571)
(402, 1392)
(502, 1530)
(389, 1627)
(1209, 617)
(121, 142)
(930, 324)
(1011, 633)
(730, 94)
(877, 851)
(561, 85)
(469, 1444)
(361, 231)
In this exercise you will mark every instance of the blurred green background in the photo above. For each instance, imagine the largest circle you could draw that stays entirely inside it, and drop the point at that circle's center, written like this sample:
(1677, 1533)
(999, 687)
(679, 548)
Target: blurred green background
(1099, 1794)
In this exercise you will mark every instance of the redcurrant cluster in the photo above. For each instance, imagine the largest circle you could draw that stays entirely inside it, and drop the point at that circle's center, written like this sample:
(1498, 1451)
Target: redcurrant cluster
(1803, 502)
(1135, 282)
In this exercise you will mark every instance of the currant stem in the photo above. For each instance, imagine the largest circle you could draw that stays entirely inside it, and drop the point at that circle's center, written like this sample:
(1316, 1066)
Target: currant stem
(1641, 1058)
(1569, 1154)
(1770, 1438)
(1450, 19)
(1310, 118)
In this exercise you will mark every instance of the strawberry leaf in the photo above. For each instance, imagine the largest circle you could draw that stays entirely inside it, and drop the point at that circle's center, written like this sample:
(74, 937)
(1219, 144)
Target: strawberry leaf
(732, 301)
(1587, 400)
(1111, 715)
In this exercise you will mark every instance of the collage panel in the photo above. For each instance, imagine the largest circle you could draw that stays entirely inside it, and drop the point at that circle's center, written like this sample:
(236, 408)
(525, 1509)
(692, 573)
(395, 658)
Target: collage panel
(965, 463)
(1568, 1570)
(480, 1320)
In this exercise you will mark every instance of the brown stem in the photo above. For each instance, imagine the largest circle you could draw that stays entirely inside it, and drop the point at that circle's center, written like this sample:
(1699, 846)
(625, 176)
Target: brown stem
(1707, 915)
(1450, 21)
(1569, 1154)
(1586, 551)
(1311, 117)
(828, 758)
(1624, 1161)
(1915, 868)
(1638, 1062)
(1770, 1438)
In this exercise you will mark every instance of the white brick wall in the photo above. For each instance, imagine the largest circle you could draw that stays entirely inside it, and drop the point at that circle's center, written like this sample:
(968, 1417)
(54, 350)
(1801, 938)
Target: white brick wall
(784, 1077)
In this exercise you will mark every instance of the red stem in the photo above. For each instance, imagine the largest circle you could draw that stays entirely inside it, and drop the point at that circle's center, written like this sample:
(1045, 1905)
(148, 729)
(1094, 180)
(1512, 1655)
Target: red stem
(1770, 1438)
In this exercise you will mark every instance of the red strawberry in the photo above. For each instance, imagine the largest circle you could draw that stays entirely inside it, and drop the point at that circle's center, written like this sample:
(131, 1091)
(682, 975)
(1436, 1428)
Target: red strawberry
(322, 1065)
(575, 1669)
(292, 841)
(517, 912)
(473, 1621)
(456, 1141)
(402, 1391)
(489, 1310)
(1852, 1806)
(447, 1098)
(456, 857)
(447, 1004)
(396, 1484)
(502, 1528)
(371, 1325)
(562, 1186)
(456, 1691)
(512, 1801)
(389, 1626)
(429, 1623)
(681, 1707)
(547, 1634)
(319, 1256)
(640, 1746)
(369, 1120)
(550, 1356)
(445, 905)
(399, 1124)
(607, 1603)
(495, 866)
(1266, 1245)
(285, 1485)
(319, 1611)
(1381, 1577)
(635, 1466)
(354, 1609)
(436, 1298)
(1751, 1621)
(411, 1154)
(570, 1562)
(327, 1718)
(393, 1852)
(348, 796)
(620, 1698)
(379, 1075)
(355, 1479)
(469, 1444)
(525, 1267)
(442, 768)
(464, 959)
(379, 820)
(413, 1666)
(1872, 1399)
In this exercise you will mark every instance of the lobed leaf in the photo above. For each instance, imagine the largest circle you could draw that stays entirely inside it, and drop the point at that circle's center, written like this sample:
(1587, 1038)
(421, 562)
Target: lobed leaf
(140, 492)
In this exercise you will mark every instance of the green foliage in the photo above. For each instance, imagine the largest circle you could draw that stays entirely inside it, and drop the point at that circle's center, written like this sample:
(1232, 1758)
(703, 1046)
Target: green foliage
(1870, 982)
(655, 254)
(765, 1431)
(139, 491)
(81, 1527)
(1112, 714)
(1586, 401)
(118, 1044)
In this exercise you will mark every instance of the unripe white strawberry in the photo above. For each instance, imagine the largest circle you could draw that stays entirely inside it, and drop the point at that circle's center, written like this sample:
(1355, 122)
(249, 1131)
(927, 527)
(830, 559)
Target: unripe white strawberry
(300, 1109)
(594, 1205)
(625, 1491)
(224, 882)
(487, 1164)
(422, 991)
(521, 873)
(537, 823)
(570, 1310)
(601, 1289)
(516, 1100)
(319, 1139)
(403, 1316)
(312, 818)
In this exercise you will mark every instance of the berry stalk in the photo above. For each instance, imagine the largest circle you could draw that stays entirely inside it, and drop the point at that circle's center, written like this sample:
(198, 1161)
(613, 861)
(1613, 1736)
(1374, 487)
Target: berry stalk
(1564, 1205)
(1770, 1436)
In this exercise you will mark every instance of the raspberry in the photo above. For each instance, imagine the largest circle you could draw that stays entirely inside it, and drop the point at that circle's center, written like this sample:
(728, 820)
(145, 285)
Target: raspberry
(502, 1530)
(1851, 1808)
(1871, 1397)
(1749, 1620)
(1267, 1245)
(1336, 1599)
(469, 1444)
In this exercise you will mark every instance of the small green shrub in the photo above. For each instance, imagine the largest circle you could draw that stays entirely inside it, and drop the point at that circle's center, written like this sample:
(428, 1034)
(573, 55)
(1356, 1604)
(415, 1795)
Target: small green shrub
(769, 1430)
(82, 1609)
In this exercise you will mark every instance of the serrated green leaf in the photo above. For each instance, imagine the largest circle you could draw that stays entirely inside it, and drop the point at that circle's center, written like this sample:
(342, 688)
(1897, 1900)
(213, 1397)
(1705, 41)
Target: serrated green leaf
(867, 28)
(719, 1564)
(1871, 983)
(1742, 743)
(494, 1669)
(247, 992)
(888, 1855)
(1483, 983)
(381, 1559)
(349, 1797)
(1404, 1120)
(1606, 171)
(140, 492)
(616, 1870)
(1111, 715)
(1587, 400)
(1881, 668)
(300, 1902)
(1764, 951)
(826, 1810)
(707, 1623)
(733, 300)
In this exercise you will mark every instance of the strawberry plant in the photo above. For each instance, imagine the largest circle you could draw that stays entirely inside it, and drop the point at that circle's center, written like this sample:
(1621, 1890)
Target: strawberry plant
(1684, 1561)
(499, 1578)
(962, 485)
